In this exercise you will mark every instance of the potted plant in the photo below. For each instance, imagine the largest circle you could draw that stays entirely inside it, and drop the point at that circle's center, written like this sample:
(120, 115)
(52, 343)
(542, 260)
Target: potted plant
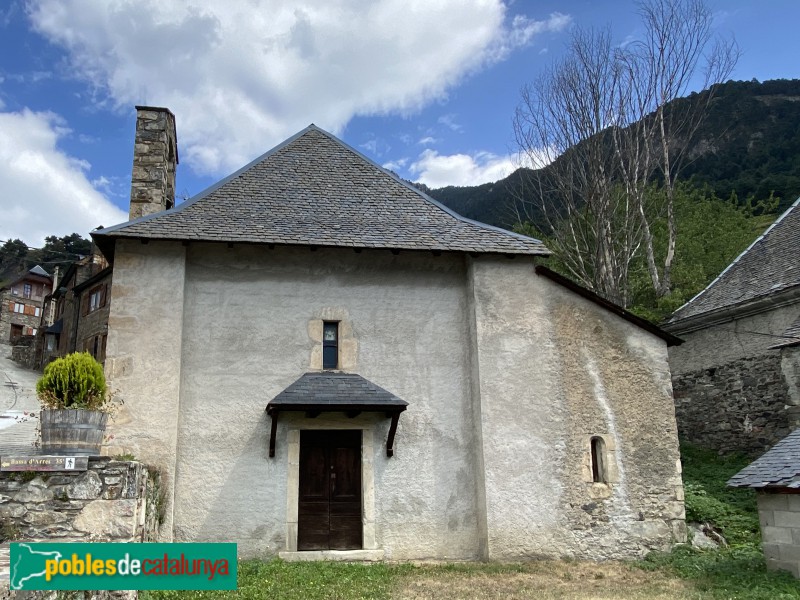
(75, 405)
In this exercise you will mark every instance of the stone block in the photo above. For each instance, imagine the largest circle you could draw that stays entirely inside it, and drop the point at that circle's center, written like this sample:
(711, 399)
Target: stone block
(11, 510)
(35, 491)
(794, 502)
(773, 501)
(112, 492)
(87, 487)
(766, 518)
(777, 535)
(789, 552)
(108, 518)
(772, 551)
(676, 510)
(781, 565)
(44, 517)
(785, 518)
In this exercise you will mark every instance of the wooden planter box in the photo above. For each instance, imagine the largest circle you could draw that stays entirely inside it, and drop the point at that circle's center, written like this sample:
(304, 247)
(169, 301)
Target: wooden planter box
(72, 432)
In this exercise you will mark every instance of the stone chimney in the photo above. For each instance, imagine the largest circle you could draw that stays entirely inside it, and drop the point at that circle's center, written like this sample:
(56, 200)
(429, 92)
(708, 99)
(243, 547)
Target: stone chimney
(155, 155)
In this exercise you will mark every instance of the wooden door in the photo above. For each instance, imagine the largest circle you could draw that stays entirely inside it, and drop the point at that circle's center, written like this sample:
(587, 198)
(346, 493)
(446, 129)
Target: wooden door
(329, 511)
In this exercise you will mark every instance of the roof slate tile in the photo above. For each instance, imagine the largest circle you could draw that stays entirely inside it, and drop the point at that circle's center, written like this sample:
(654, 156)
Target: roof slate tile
(315, 190)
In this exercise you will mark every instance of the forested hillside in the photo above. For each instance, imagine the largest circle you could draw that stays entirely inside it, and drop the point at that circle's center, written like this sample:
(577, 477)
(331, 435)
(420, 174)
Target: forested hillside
(749, 144)
(16, 257)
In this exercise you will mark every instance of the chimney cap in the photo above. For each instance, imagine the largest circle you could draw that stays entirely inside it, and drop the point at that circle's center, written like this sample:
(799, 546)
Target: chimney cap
(156, 109)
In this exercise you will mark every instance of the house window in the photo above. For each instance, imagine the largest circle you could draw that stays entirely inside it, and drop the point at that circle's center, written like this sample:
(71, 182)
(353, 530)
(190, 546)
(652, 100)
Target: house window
(330, 344)
(26, 290)
(96, 299)
(37, 311)
(19, 308)
(599, 469)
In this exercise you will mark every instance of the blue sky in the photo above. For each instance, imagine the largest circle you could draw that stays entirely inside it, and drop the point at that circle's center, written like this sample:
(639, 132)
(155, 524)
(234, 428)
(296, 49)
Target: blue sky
(426, 88)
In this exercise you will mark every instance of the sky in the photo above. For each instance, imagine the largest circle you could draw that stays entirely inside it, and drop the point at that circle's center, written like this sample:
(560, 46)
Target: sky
(426, 88)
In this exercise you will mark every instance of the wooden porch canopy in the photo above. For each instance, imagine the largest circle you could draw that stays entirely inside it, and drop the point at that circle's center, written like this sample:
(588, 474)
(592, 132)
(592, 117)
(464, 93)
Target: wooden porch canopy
(329, 391)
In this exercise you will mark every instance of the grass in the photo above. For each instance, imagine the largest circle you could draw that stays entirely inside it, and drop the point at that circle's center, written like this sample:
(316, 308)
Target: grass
(737, 572)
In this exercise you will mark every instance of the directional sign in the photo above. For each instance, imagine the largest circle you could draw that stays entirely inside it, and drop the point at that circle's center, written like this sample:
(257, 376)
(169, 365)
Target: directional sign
(44, 463)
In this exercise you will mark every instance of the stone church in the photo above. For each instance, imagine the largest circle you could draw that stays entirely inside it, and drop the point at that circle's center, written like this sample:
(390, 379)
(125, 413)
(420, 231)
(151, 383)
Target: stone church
(327, 363)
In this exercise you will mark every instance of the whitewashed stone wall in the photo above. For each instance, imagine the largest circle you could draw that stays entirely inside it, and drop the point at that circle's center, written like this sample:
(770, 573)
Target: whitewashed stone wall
(507, 376)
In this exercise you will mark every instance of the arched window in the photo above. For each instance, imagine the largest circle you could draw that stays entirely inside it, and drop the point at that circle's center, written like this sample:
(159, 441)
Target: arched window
(599, 471)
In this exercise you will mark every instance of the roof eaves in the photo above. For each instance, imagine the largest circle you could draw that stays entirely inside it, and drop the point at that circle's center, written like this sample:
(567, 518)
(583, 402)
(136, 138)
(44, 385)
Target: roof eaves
(93, 279)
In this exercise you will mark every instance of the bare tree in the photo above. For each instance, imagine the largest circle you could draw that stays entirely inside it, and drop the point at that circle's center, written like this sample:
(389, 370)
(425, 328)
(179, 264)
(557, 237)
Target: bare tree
(607, 120)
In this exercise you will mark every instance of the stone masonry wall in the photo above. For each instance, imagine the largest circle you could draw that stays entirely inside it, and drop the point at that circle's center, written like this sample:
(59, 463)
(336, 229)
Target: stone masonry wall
(743, 405)
(25, 351)
(779, 515)
(112, 501)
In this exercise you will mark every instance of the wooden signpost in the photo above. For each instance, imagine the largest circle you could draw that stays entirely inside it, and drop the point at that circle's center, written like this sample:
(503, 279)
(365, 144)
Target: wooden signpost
(44, 463)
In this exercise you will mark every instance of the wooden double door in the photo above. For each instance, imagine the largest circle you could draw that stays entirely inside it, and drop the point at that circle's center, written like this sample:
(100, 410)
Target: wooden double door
(329, 511)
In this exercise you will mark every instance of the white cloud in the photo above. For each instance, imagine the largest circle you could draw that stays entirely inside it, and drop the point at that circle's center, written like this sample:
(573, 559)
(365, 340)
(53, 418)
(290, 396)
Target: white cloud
(438, 170)
(242, 76)
(396, 165)
(44, 191)
(450, 122)
(523, 31)
(427, 140)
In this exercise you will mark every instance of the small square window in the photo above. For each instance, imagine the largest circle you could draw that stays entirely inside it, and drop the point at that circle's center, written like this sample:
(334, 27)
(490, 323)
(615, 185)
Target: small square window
(330, 344)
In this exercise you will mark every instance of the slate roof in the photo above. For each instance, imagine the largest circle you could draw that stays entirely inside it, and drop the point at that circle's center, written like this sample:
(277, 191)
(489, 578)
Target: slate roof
(771, 264)
(780, 467)
(37, 270)
(791, 336)
(315, 190)
(335, 391)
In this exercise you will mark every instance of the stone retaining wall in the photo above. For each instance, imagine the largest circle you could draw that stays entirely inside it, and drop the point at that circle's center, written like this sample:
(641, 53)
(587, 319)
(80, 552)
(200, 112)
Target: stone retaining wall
(743, 405)
(113, 501)
(24, 352)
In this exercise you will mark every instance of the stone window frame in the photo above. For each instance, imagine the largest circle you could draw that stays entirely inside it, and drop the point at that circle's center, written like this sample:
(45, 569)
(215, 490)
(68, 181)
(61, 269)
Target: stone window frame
(603, 488)
(328, 326)
(369, 540)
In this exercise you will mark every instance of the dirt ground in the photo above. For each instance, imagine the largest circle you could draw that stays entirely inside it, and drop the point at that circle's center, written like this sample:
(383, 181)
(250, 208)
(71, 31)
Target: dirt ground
(548, 580)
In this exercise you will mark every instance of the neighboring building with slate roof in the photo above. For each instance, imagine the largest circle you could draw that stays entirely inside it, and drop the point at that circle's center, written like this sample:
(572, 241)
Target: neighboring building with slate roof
(736, 378)
(322, 358)
(21, 304)
(776, 478)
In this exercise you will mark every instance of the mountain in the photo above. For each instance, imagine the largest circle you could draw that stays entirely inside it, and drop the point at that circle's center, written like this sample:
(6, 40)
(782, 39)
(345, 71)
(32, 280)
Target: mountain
(749, 144)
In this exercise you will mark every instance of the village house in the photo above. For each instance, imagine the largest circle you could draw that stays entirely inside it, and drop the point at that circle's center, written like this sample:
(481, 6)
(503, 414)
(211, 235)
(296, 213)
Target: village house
(737, 376)
(80, 307)
(326, 362)
(22, 301)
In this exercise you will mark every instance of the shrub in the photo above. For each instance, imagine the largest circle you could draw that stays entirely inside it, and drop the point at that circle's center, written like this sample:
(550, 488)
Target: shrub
(74, 381)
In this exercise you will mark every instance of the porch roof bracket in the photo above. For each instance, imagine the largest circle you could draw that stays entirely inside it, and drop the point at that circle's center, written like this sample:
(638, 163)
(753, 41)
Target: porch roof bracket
(334, 391)
(273, 432)
(394, 415)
